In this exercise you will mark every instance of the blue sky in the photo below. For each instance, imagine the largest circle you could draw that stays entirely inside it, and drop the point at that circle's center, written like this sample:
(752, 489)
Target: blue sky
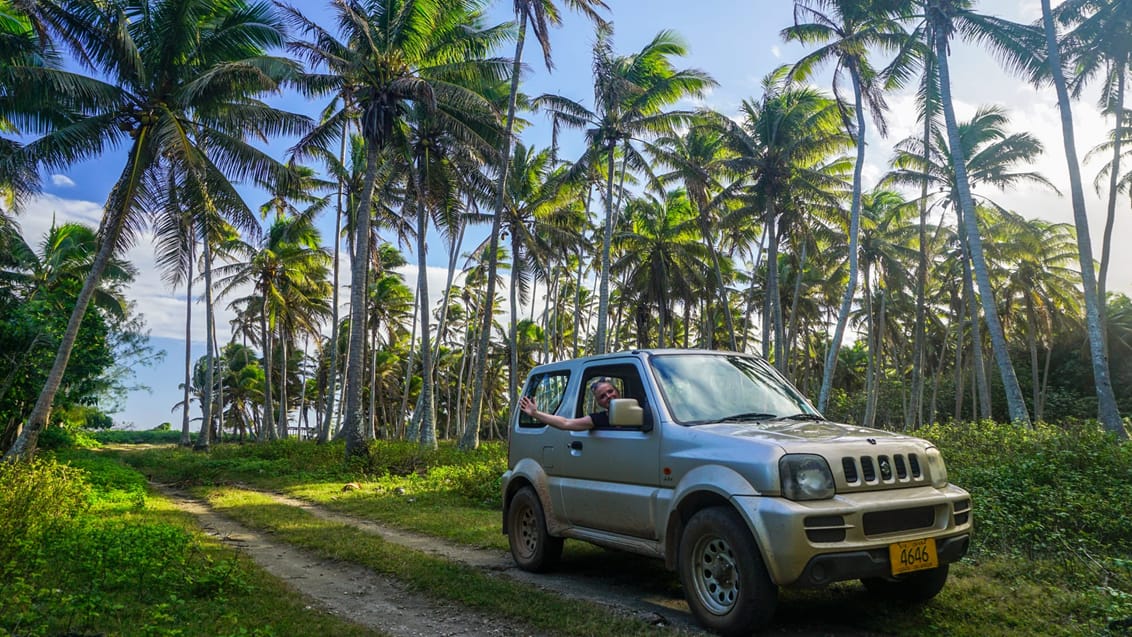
(736, 41)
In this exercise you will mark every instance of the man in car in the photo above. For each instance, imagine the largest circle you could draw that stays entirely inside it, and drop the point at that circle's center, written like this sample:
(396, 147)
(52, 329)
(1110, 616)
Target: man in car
(603, 391)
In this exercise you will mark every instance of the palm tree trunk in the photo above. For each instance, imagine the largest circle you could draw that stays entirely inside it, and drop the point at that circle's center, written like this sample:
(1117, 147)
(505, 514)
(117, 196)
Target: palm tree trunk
(792, 333)
(359, 269)
(606, 245)
(854, 226)
(981, 386)
(770, 232)
(269, 427)
(204, 440)
(324, 432)
(186, 438)
(1107, 411)
(916, 412)
(470, 439)
(1016, 404)
(428, 406)
(1110, 218)
(513, 363)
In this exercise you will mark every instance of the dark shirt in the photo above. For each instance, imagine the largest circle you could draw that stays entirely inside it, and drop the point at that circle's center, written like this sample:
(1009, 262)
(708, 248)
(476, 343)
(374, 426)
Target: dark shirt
(600, 419)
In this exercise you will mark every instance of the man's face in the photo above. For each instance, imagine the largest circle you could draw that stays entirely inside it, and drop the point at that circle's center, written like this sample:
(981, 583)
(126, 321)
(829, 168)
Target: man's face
(603, 393)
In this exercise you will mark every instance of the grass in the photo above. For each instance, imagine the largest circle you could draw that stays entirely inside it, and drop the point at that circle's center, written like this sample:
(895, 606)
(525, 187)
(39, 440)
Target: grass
(1052, 553)
(122, 561)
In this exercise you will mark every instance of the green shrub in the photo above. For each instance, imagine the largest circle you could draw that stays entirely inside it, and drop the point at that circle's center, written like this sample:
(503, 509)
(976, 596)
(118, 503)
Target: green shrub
(37, 499)
(1046, 492)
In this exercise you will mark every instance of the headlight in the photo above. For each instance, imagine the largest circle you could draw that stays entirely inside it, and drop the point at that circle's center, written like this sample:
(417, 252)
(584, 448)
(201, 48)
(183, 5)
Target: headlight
(937, 468)
(805, 477)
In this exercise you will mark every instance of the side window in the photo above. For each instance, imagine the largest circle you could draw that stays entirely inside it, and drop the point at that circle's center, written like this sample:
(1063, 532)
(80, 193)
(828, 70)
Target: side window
(624, 378)
(548, 390)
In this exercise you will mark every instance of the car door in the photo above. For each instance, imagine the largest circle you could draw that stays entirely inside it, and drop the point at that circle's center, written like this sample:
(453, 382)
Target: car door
(609, 477)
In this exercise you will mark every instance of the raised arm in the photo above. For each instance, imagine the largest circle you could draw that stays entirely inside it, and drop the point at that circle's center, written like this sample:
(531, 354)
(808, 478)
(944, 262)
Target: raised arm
(528, 407)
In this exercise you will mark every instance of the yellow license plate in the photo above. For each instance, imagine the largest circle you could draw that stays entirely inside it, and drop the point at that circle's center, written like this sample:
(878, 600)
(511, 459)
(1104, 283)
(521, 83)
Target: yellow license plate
(916, 555)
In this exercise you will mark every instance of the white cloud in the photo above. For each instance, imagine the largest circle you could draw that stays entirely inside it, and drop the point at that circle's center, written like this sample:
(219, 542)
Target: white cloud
(62, 181)
(776, 51)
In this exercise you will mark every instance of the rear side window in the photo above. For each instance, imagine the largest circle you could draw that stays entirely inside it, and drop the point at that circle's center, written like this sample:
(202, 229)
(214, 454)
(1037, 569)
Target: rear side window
(548, 390)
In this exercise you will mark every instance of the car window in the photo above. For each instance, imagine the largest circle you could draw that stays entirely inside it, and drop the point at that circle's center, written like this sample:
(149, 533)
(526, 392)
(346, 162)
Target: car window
(625, 378)
(548, 390)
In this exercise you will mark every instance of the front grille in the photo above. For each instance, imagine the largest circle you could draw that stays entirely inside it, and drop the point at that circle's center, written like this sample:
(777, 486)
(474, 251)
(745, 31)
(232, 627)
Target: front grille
(882, 522)
(882, 469)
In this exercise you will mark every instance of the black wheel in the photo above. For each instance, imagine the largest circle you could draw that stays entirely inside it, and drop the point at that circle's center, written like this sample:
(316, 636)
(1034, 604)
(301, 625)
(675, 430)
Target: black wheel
(724, 578)
(912, 588)
(533, 548)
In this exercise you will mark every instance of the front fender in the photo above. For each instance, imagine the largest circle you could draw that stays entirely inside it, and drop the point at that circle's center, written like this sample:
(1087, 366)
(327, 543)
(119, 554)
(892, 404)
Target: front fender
(702, 487)
(529, 472)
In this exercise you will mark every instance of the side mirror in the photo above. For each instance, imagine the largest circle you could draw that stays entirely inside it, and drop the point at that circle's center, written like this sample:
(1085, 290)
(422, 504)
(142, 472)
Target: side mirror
(627, 412)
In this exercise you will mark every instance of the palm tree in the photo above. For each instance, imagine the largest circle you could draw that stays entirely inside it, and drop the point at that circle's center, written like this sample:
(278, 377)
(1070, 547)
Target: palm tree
(847, 29)
(1099, 44)
(1041, 279)
(288, 275)
(661, 258)
(1014, 43)
(631, 95)
(989, 157)
(396, 53)
(540, 14)
(783, 153)
(1107, 411)
(184, 78)
(694, 161)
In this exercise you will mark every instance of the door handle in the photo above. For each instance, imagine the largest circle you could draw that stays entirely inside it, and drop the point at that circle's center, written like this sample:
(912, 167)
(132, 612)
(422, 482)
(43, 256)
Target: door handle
(576, 445)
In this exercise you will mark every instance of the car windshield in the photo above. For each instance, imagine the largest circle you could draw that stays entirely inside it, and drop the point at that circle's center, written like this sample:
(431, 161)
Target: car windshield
(703, 388)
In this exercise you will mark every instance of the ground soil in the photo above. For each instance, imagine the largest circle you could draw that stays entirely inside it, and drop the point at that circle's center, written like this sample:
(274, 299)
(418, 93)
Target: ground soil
(625, 584)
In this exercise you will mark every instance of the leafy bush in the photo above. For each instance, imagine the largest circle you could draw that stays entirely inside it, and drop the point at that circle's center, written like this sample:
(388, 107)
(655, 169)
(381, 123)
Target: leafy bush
(1047, 492)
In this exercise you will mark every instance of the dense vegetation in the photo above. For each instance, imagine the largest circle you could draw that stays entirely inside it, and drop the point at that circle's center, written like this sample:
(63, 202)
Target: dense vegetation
(1052, 551)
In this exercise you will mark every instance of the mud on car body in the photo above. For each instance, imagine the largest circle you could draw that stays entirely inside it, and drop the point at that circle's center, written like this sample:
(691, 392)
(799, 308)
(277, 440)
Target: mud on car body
(715, 463)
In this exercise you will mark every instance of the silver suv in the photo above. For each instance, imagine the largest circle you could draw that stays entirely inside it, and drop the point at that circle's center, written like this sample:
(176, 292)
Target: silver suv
(715, 463)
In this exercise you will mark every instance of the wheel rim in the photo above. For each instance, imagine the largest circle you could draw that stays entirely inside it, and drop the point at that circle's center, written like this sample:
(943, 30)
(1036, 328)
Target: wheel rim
(527, 527)
(715, 574)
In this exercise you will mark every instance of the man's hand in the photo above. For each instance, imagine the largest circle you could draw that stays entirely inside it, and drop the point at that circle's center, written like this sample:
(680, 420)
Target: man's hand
(527, 406)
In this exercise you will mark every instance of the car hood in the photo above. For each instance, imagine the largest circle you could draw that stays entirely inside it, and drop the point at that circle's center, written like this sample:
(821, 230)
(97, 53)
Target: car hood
(786, 431)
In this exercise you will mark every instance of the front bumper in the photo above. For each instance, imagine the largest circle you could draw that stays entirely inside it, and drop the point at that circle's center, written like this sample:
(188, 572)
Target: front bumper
(847, 537)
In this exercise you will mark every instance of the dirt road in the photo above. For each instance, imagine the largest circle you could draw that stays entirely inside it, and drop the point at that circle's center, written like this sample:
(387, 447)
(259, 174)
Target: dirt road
(624, 584)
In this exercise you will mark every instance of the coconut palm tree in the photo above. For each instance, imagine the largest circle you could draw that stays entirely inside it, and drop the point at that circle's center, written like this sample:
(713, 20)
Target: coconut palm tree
(989, 156)
(288, 276)
(633, 95)
(1040, 285)
(1098, 44)
(184, 77)
(847, 31)
(540, 15)
(1107, 411)
(783, 151)
(661, 257)
(394, 54)
(693, 161)
(1013, 43)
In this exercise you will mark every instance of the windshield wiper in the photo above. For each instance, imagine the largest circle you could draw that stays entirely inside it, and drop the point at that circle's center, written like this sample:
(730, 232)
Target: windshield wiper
(803, 416)
(750, 415)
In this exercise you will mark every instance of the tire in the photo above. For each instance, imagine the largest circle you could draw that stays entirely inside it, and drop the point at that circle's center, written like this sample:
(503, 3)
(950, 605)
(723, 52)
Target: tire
(533, 548)
(913, 588)
(724, 578)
